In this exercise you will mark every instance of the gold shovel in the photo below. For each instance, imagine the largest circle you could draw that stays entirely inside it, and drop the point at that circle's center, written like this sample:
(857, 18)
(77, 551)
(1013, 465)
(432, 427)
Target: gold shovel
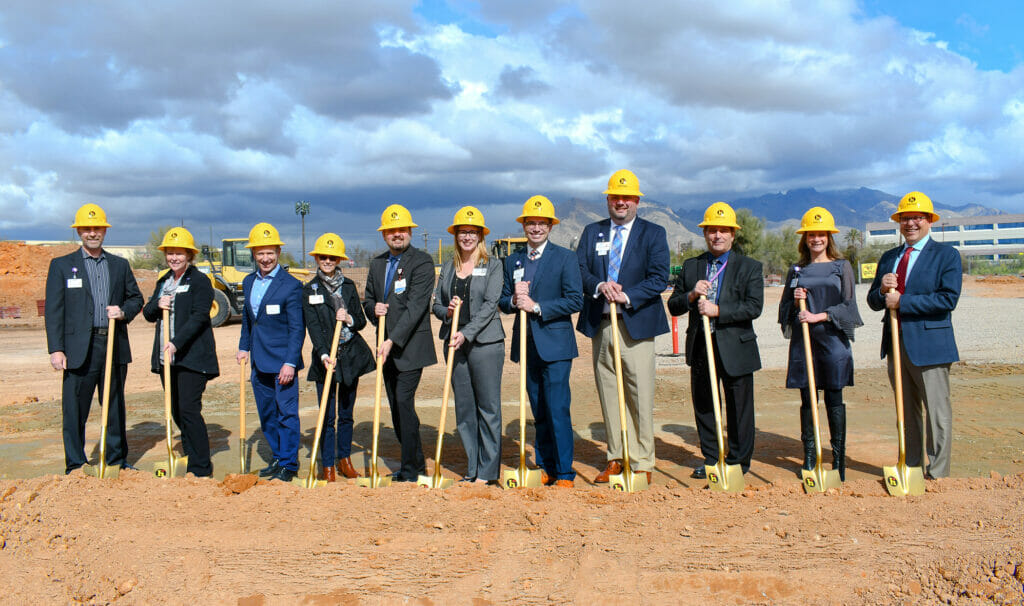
(628, 480)
(241, 417)
(436, 480)
(900, 480)
(173, 466)
(522, 477)
(726, 478)
(374, 479)
(101, 470)
(310, 481)
(817, 479)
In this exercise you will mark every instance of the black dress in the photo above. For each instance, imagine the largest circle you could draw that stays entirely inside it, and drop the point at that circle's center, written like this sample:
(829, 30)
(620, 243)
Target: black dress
(830, 288)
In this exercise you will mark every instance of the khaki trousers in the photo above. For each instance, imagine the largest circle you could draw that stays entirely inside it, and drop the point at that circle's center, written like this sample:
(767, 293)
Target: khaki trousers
(638, 386)
(927, 412)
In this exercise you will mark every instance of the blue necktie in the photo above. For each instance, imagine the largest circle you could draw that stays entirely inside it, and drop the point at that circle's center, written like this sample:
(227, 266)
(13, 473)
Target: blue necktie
(390, 275)
(615, 255)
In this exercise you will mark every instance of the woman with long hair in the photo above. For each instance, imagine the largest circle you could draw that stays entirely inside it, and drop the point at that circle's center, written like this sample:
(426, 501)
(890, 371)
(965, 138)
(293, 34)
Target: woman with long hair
(826, 281)
(475, 280)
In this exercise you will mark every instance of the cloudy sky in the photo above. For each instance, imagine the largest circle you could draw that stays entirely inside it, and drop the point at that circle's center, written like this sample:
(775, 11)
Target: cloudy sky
(222, 114)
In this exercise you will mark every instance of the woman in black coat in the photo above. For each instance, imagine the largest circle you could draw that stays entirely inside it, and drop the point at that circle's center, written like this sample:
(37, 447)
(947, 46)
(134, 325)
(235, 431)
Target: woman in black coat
(328, 298)
(187, 293)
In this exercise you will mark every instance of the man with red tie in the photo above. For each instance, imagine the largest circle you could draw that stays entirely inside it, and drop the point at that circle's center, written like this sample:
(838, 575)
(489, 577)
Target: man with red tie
(922, 286)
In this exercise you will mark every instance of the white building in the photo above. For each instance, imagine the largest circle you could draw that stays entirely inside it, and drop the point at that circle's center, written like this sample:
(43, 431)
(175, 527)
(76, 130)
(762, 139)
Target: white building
(985, 237)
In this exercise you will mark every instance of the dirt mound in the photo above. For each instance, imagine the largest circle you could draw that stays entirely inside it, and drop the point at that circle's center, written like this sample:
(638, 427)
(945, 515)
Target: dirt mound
(141, 539)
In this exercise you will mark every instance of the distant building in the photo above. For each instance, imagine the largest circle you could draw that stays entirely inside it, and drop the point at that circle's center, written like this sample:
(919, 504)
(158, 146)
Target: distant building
(984, 237)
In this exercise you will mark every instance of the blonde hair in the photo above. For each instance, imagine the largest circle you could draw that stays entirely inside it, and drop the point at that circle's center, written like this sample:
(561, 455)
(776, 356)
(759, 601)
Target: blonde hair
(478, 256)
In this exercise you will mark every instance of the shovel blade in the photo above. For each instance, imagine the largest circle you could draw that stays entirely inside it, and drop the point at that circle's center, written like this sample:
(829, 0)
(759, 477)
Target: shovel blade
(175, 468)
(820, 480)
(109, 472)
(725, 478)
(632, 482)
(374, 481)
(432, 482)
(521, 478)
(902, 481)
(309, 481)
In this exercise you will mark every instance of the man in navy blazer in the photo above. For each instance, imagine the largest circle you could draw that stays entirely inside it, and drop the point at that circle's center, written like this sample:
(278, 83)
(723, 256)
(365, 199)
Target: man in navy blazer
(84, 291)
(624, 259)
(544, 281)
(273, 330)
(920, 281)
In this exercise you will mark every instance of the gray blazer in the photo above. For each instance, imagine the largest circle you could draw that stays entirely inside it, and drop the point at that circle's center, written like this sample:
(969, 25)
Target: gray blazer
(485, 322)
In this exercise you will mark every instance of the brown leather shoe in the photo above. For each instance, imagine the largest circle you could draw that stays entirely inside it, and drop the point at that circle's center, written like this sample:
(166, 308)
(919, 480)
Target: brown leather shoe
(327, 473)
(613, 467)
(545, 479)
(564, 484)
(346, 469)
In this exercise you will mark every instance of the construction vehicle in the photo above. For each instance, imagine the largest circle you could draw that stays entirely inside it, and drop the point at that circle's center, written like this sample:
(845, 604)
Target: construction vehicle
(503, 247)
(236, 262)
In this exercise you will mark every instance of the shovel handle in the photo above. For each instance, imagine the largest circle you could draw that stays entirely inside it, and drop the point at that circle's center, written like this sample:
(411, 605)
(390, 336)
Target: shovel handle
(613, 309)
(811, 385)
(166, 329)
(108, 364)
(897, 373)
(326, 393)
(446, 391)
(378, 384)
(522, 390)
(241, 416)
(713, 379)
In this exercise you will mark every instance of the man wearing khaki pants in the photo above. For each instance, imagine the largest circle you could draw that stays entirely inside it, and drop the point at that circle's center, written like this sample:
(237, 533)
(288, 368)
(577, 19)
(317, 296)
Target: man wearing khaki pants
(624, 259)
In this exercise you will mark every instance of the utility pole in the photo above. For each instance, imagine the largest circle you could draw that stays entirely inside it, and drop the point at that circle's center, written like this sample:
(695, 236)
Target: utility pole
(425, 249)
(302, 209)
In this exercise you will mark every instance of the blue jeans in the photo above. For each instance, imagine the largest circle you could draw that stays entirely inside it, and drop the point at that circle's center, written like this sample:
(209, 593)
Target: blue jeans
(337, 443)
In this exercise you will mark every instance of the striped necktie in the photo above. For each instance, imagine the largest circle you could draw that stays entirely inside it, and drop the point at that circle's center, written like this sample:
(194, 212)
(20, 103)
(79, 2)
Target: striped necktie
(615, 255)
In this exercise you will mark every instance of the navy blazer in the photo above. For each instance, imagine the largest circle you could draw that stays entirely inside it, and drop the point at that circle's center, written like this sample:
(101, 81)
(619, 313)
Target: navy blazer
(193, 335)
(69, 311)
(558, 289)
(643, 276)
(926, 305)
(274, 339)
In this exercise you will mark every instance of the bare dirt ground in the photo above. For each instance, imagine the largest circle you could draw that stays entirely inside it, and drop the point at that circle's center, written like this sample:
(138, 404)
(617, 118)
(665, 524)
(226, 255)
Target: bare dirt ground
(140, 539)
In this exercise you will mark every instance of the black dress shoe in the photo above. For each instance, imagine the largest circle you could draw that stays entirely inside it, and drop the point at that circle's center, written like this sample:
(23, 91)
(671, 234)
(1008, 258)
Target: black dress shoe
(284, 474)
(270, 470)
(699, 474)
(129, 467)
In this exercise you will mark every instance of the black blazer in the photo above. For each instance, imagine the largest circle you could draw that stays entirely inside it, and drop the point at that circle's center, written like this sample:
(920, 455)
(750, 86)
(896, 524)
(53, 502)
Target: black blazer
(408, 320)
(740, 302)
(193, 335)
(69, 311)
(355, 358)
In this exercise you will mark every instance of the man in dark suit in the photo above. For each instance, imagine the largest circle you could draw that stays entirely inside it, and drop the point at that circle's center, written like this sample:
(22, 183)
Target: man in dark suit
(273, 330)
(84, 290)
(734, 287)
(624, 259)
(544, 281)
(399, 286)
(921, 283)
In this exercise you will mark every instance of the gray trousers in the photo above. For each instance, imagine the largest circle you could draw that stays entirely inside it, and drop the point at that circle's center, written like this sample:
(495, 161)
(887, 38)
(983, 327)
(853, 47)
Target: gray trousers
(476, 382)
(638, 388)
(926, 404)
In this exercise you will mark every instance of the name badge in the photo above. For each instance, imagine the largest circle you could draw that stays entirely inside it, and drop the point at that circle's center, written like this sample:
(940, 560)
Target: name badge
(181, 289)
(399, 286)
(480, 271)
(316, 299)
(273, 310)
(602, 248)
(517, 274)
(74, 283)
(793, 282)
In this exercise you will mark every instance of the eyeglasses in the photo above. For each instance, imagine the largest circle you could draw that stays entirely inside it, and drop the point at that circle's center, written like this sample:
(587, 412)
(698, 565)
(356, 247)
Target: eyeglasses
(914, 219)
(466, 234)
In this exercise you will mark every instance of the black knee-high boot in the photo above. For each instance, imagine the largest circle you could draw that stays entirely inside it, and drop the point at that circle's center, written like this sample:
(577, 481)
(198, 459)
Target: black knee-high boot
(807, 429)
(837, 429)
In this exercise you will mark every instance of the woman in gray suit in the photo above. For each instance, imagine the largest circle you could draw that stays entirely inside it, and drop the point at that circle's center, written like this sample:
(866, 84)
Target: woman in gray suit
(479, 342)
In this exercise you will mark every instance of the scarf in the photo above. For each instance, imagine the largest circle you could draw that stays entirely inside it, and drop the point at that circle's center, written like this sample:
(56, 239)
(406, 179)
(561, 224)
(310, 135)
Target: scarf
(333, 284)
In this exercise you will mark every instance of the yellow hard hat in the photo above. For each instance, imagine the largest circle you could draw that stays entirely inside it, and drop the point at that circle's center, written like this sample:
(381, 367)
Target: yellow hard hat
(623, 183)
(719, 214)
(90, 215)
(263, 234)
(818, 219)
(178, 237)
(915, 202)
(329, 245)
(395, 216)
(538, 206)
(468, 215)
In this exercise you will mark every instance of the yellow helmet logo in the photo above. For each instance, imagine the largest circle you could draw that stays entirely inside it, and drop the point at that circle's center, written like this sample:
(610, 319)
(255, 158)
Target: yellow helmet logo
(817, 218)
(394, 216)
(92, 214)
(266, 233)
(330, 244)
(721, 213)
(469, 213)
(173, 235)
(622, 181)
(912, 199)
(537, 203)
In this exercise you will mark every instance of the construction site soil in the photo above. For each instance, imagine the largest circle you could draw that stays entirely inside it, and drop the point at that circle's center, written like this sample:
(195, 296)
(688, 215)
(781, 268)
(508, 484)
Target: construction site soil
(235, 540)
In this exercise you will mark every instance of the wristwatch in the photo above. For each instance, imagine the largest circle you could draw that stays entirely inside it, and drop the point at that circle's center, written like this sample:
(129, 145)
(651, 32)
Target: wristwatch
(536, 308)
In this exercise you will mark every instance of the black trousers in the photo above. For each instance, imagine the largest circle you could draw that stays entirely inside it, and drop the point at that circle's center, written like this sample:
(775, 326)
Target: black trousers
(739, 409)
(401, 389)
(187, 387)
(79, 385)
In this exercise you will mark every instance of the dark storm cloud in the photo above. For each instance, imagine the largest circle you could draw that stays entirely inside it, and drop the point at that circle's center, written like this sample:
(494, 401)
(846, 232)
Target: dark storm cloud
(519, 83)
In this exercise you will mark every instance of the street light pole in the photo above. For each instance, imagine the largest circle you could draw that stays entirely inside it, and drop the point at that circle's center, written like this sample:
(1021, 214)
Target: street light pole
(302, 209)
